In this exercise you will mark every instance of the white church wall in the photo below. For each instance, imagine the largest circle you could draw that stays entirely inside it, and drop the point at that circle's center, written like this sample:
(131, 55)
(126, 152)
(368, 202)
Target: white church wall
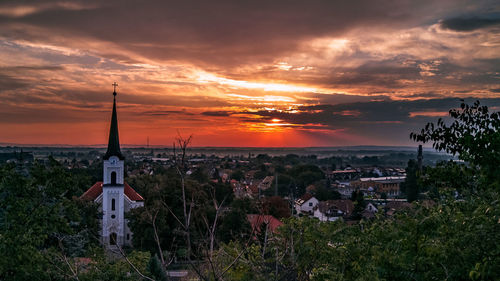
(113, 164)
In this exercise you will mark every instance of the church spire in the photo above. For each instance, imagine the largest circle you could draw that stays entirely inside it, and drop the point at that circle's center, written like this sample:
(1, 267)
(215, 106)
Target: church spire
(114, 142)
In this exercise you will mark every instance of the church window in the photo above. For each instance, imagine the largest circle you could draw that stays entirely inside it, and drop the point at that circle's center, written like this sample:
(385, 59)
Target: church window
(113, 177)
(113, 216)
(128, 236)
(112, 204)
(112, 239)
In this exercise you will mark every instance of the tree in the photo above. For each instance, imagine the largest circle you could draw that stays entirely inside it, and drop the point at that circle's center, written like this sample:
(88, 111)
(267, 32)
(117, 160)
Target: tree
(454, 241)
(276, 206)
(237, 175)
(42, 223)
(182, 219)
(473, 135)
(323, 193)
(411, 186)
(358, 198)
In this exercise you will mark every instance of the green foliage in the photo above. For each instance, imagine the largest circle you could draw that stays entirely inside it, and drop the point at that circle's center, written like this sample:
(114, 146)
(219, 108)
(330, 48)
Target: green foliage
(259, 175)
(103, 267)
(358, 198)
(449, 176)
(323, 193)
(237, 175)
(276, 206)
(40, 219)
(411, 185)
(158, 190)
(163, 203)
(200, 176)
(453, 241)
(473, 135)
(157, 270)
(234, 226)
(305, 175)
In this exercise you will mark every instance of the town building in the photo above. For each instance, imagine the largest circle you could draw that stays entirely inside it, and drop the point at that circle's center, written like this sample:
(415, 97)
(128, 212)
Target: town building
(387, 185)
(114, 196)
(306, 204)
(333, 210)
(259, 222)
(347, 174)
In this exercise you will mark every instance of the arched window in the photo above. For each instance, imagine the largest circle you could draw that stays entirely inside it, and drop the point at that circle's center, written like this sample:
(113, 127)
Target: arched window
(113, 177)
(112, 239)
(112, 204)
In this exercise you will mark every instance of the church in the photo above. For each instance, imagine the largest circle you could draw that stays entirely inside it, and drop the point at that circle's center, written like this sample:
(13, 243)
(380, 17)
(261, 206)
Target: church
(114, 196)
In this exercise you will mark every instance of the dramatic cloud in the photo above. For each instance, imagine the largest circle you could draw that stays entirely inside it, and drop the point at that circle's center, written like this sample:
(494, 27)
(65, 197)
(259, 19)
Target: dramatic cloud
(278, 73)
(470, 24)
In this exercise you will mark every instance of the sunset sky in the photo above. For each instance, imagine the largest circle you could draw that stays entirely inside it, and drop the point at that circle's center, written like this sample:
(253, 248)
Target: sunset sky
(242, 73)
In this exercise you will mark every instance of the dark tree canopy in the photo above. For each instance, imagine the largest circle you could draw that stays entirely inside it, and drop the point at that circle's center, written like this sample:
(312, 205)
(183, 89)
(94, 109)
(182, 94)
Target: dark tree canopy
(411, 186)
(473, 135)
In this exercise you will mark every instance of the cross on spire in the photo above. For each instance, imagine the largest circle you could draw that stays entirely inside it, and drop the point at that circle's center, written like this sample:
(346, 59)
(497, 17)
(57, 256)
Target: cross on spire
(114, 88)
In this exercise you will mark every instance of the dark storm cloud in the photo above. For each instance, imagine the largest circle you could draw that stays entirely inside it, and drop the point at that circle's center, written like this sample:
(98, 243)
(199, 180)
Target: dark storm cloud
(342, 98)
(70, 101)
(32, 68)
(392, 75)
(14, 78)
(356, 115)
(218, 113)
(214, 32)
(8, 82)
(390, 121)
(386, 73)
(470, 23)
(166, 112)
(379, 73)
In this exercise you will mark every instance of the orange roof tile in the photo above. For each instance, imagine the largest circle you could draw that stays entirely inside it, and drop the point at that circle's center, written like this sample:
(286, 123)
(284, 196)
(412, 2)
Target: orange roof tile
(257, 220)
(94, 191)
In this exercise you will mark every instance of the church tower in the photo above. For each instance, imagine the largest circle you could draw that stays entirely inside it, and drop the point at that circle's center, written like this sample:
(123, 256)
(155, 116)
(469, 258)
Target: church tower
(113, 188)
(114, 196)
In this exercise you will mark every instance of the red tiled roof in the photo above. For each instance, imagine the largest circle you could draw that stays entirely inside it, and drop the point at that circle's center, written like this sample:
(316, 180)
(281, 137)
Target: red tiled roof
(132, 194)
(93, 192)
(306, 196)
(257, 220)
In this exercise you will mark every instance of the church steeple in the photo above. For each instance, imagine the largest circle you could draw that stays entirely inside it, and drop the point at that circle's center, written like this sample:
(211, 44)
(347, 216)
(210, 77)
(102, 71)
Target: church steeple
(114, 142)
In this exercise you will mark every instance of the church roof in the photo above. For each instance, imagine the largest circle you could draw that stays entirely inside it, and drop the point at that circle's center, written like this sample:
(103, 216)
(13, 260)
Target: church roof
(93, 192)
(114, 141)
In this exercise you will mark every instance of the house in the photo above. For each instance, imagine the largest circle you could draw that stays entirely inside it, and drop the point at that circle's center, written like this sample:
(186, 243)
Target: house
(306, 204)
(371, 208)
(332, 210)
(239, 190)
(258, 221)
(266, 183)
(393, 207)
(369, 211)
(345, 189)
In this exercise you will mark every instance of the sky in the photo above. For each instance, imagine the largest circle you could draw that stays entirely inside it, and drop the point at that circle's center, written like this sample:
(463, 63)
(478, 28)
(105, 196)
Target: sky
(242, 73)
